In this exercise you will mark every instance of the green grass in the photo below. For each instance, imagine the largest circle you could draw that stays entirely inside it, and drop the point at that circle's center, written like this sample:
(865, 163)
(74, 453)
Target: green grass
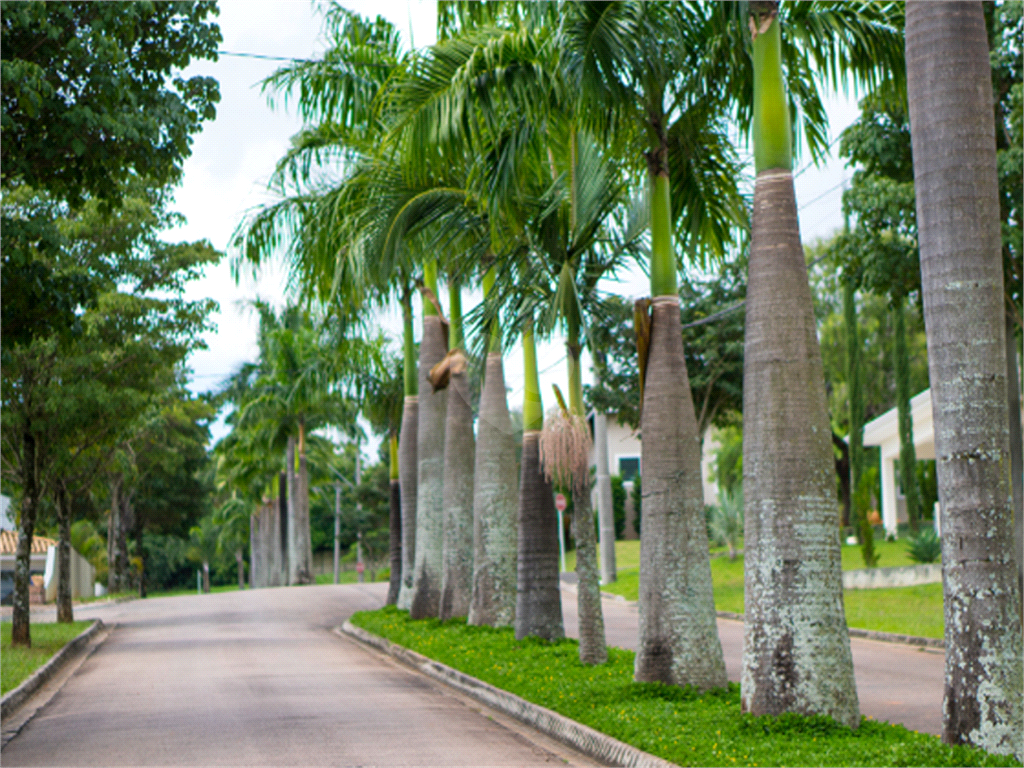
(349, 577)
(904, 610)
(677, 724)
(18, 663)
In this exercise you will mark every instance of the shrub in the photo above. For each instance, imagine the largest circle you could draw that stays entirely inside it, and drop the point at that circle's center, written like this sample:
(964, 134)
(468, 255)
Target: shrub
(725, 522)
(926, 547)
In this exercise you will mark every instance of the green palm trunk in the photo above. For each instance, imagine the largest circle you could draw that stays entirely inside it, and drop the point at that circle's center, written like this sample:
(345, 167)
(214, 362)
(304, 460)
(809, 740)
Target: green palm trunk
(426, 587)
(495, 491)
(407, 466)
(457, 494)
(908, 457)
(796, 650)
(678, 640)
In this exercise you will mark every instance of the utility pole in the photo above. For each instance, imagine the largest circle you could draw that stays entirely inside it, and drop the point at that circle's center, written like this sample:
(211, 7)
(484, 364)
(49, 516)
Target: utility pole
(337, 531)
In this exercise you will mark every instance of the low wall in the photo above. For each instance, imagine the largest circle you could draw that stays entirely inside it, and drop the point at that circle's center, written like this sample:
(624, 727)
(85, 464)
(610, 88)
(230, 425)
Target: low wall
(877, 578)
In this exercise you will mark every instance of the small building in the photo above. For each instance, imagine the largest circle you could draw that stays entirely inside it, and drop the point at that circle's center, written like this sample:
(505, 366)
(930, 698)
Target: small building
(43, 568)
(884, 433)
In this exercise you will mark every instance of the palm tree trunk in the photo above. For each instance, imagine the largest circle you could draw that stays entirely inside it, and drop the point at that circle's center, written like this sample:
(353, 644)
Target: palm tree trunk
(951, 118)
(678, 635)
(408, 467)
(495, 493)
(796, 650)
(240, 563)
(908, 456)
(395, 524)
(303, 536)
(426, 587)
(588, 586)
(1016, 455)
(65, 614)
(281, 526)
(605, 509)
(457, 494)
(292, 557)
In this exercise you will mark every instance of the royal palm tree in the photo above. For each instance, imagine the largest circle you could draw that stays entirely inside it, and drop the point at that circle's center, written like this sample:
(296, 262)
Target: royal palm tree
(952, 131)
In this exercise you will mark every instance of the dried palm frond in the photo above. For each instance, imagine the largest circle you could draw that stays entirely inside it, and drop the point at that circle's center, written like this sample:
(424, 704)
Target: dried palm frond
(453, 363)
(565, 449)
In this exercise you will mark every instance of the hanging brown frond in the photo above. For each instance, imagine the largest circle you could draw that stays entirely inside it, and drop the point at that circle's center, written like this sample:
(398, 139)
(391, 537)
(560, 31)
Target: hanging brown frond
(565, 450)
(451, 364)
(429, 295)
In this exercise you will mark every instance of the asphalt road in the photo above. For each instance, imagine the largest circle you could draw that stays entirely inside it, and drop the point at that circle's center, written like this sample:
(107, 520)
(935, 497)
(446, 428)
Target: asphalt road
(258, 678)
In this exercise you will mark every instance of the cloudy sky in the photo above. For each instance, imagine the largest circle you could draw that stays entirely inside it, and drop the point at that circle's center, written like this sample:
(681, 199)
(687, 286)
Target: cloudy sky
(235, 154)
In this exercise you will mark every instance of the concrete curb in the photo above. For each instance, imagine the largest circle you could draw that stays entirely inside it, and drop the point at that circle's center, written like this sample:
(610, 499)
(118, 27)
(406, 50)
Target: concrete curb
(594, 744)
(14, 699)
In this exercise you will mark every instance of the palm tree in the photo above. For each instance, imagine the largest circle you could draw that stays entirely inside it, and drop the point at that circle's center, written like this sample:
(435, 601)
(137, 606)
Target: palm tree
(951, 118)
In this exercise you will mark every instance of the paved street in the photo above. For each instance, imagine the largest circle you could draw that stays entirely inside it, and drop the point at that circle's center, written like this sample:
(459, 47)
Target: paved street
(258, 678)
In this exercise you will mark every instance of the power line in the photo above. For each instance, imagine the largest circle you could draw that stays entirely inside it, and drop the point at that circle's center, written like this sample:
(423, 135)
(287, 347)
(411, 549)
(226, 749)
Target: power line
(261, 56)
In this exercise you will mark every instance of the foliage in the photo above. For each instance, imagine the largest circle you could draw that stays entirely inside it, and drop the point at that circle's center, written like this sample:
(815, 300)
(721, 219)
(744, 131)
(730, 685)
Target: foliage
(167, 562)
(92, 546)
(619, 505)
(925, 547)
(725, 525)
(677, 724)
(20, 662)
(91, 93)
(727, 469)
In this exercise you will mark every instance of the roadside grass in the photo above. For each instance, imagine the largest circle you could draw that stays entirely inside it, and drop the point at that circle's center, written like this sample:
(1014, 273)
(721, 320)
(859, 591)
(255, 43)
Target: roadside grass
(680, 725)
(903, 610)
(18, 663)
(349, 577)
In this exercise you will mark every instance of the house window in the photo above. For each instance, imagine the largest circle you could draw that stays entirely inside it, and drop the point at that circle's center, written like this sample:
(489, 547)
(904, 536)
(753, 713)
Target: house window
(629, 467)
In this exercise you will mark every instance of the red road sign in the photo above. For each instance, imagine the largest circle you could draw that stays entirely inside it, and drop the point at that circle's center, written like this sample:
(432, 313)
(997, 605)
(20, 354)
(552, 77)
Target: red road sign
(360, 567)
(560, 502)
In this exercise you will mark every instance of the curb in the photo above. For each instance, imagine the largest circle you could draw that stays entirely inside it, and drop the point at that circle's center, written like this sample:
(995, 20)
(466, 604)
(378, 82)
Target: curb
(582, 738)
(14, 699)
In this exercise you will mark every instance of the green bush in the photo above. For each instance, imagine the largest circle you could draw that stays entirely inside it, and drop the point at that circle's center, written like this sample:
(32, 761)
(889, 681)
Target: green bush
(619, 505)
(926, 547)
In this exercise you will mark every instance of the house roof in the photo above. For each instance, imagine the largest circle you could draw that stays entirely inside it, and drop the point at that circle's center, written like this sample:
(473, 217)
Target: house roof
(9, 543)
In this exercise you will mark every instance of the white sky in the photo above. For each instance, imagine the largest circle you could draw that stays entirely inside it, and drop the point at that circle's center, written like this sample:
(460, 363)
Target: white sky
(234, 156)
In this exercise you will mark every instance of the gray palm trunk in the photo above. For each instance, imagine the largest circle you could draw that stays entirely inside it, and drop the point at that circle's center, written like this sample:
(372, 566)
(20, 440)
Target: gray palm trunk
(588, 589)
(495, 498)
(1016, 455)
(539, 601)
(407, 471)
(426, 585)
(605, 505)
(457, 556)
(953, 133)
(395, 542)
(796, 649)
(303, 543)
(678, 634)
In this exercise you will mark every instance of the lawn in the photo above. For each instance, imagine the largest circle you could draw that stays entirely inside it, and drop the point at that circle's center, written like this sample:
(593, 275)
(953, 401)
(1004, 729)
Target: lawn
(904, 610)
(677, 724)
(18, 663)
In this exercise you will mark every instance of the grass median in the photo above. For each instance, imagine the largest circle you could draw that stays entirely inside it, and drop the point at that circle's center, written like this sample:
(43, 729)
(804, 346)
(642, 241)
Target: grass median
(676, 724)
(17, 663)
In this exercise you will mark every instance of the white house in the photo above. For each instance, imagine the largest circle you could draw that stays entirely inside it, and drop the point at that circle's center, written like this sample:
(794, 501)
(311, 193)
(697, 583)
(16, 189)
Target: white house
(884, 433)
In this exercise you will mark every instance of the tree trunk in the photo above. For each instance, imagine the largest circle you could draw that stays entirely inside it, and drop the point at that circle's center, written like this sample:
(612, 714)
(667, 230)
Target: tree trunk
(908, 456)
(206, 577)
(605, 508)
(855, 391)
(303, 538)
(1016, 455)
(395, 525)
(408, 469)
(65, 613)
(951, 118)
(31, 493)
(291, 501)
(121, 520)
(457, 574)
(588, 589)
(495, 496)
(678, 635)
(426, 587)
(240, 562)
(280, 532)
(140, 549)
(538, 601)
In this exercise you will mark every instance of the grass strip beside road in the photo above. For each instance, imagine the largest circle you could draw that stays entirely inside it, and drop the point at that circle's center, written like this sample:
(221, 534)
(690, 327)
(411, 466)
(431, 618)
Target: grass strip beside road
(676, 724)
(17, 663)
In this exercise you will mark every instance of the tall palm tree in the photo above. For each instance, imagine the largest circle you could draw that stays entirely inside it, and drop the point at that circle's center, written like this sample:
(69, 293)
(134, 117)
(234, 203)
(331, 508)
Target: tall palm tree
(951, 118)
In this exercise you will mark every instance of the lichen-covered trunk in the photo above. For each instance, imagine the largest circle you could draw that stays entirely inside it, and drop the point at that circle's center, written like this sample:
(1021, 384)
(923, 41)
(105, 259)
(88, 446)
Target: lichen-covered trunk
(395, 543)
(588, 588)
(796, 650)
(953, 134)
(65, 613)
(457, 495)
(408, 470)
(678, 635)
(495, 497)
(426, 586)
(539, 600)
